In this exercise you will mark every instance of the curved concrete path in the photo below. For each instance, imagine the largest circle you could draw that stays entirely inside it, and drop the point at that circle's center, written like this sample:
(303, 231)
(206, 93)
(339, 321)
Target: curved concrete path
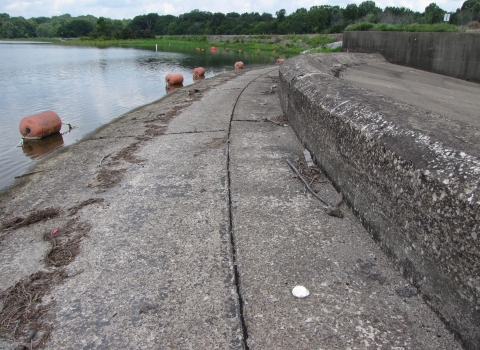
(193, 230)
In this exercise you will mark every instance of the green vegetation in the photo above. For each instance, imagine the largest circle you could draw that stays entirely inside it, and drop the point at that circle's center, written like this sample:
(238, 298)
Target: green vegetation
(415, 27)
(265, 44)
(36, 39)
(322, 19)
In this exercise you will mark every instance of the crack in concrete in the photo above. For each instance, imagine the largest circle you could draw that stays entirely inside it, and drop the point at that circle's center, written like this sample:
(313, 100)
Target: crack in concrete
(230, 225)
(194, 132)
(249, 120)
(113, 137)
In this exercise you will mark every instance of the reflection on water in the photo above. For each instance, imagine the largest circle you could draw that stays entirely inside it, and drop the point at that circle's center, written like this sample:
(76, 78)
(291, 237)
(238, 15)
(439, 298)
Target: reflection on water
(36, 149)
(198, 78)
(88, 87)
(172, 88)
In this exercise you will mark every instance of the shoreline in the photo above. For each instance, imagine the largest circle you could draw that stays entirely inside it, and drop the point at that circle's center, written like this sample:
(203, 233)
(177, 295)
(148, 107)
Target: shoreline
(181, 223)
(32, 168)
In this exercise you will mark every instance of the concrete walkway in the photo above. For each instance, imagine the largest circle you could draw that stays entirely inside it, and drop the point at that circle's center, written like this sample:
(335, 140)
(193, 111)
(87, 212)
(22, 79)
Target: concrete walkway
(192, 231)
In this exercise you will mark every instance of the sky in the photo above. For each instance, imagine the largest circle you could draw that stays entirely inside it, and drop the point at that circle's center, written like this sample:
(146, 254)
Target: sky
(119, 9)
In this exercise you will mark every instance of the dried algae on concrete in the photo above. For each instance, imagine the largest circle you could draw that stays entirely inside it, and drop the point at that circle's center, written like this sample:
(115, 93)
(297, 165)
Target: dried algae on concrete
(65, 242)
(34, 217)
(23, 314)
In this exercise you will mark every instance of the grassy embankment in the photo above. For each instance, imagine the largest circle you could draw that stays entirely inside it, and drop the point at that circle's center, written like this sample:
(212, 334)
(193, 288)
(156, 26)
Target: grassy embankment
(284, 46)
(43, 40)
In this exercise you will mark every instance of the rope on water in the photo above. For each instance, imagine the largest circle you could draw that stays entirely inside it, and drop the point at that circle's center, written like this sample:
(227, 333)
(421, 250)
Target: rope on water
(18, 144)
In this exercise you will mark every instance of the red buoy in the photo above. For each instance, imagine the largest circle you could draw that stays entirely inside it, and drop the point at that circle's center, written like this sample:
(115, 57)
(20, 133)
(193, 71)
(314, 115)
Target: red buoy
(199, 72)
(174, 78)
(40, 125)
(280, 60)
(239, 65)
(214, 48)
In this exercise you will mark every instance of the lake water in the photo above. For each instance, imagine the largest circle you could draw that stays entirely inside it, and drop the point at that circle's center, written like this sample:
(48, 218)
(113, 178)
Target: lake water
(87, 87)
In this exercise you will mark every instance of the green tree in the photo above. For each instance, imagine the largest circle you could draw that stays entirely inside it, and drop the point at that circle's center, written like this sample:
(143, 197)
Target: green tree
(15, 27)
(476, 11)
(216, 21)
(161, 26)
(316, 20)
(336, 20)
(369, 10)
(350, 14)
(366, 7)
(468, 5)
(281, 15)
(433, 13)
(296, 22)
(172, 28)
(46, 30)
(76, 28)
(144, 22)
(395, 15)
(102, 28)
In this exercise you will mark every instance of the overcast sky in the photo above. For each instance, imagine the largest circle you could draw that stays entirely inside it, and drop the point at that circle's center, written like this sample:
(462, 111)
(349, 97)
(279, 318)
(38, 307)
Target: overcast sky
(119, 9)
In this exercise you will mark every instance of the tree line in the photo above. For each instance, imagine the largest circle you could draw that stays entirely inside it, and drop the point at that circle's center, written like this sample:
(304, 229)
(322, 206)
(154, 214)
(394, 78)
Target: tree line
(318, 19)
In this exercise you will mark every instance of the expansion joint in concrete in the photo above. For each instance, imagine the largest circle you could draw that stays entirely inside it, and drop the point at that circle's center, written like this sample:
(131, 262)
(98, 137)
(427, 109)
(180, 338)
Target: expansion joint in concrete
(249, 120)
(232, 237)
(195, 132)
(230, 226)
(113, 137)
(227, 89)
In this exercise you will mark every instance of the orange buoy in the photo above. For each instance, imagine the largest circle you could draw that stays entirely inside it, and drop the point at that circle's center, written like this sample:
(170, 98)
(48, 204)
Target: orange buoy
(280, 60)
(274, 51)
(199, 72)
(36, 126)
(214, 48)
(239, 65)
(174, 78)
(226, 49)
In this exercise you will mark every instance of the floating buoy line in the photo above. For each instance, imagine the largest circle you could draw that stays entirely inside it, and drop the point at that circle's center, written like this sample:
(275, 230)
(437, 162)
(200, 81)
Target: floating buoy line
(47, 123)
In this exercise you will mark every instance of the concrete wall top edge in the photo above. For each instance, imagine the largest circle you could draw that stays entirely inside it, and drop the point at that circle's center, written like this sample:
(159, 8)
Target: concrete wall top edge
(434, 155)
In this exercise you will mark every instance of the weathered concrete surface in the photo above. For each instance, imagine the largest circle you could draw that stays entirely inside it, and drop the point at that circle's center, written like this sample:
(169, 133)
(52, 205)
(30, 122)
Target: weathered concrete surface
(155, 270)
(202, 233)
(409, 172)
(453, 54)
(453, 99)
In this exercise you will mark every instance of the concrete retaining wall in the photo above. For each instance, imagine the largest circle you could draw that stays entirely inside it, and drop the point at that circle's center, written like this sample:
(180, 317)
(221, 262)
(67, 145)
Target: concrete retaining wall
(453, 54)
(396, 180)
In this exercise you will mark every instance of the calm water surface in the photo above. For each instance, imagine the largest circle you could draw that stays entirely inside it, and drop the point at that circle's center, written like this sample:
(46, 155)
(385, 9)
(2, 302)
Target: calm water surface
(87, 87)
